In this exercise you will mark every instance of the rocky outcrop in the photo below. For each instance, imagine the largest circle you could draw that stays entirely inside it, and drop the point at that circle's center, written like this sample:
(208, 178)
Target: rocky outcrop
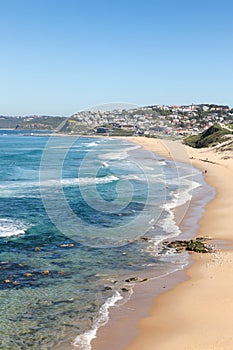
(197, 245)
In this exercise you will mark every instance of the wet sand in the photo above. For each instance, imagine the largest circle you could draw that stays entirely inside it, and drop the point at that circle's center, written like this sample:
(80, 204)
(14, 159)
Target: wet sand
(196, 313)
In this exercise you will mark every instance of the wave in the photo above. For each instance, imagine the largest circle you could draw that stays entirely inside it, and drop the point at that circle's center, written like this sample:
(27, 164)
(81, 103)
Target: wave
(168, 224)
(105, 165)
(92, 144)
(183, 195)
(79, 181)
(27, 189)
(83, 341)
(114, 155)
(162, 162)
(11, 227)
(179, 197)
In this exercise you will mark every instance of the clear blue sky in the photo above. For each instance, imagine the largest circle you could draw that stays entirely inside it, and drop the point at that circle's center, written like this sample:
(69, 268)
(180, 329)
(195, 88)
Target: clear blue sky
(60, 56)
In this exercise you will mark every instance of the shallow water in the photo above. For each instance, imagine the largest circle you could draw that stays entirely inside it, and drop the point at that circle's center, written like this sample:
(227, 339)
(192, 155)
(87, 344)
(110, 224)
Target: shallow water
(72, 215)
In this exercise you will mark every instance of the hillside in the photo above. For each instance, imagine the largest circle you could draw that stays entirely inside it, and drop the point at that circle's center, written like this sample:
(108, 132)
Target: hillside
(31, 122)
(150, 121)
(210, 137)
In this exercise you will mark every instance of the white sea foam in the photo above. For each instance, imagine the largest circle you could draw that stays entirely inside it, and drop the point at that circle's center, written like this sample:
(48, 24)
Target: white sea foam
(147, 168)
(58, 147)
(81, 181)
(168, 224)
(30, 188)
(114, 155)
(92, 144)
(105, 164)
(154, 248)
(133, 177)
(182, 195)
(83, 341)
(118, 155)
(11, 227)
(162, 162)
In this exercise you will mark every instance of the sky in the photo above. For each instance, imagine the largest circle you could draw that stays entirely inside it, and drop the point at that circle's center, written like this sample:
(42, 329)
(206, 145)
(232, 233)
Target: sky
(58, 57)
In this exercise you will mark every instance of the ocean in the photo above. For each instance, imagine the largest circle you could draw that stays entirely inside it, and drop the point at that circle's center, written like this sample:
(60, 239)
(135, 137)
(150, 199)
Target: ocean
(81, 221)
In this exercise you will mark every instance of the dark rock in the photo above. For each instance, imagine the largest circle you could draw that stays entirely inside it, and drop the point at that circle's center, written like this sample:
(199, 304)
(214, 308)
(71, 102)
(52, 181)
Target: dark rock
(107, 288)
(124, 289)
(143, 280)
(197, 245)
(131, 279)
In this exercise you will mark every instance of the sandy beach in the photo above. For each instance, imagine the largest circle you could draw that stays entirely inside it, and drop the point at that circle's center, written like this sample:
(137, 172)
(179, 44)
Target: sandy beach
(197, 313)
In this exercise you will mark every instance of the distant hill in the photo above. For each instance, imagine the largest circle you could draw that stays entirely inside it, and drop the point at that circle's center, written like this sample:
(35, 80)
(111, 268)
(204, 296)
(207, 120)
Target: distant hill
(149, 121)
(210, 137)
(31, 122)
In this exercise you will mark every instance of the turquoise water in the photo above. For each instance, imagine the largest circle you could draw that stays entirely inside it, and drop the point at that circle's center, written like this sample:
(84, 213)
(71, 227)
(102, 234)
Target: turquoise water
(73, 212)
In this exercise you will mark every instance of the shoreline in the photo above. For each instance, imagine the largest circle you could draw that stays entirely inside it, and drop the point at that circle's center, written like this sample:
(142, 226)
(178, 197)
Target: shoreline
(197, 313)
(126, 316)
(153, 330)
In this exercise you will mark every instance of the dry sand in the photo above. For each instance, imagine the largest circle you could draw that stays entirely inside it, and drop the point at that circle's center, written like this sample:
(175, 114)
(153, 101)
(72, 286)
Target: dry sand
(198, 313)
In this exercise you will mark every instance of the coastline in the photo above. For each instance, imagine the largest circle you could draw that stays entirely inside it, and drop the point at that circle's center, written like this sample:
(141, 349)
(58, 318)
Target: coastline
(208, 278)
(197, 313)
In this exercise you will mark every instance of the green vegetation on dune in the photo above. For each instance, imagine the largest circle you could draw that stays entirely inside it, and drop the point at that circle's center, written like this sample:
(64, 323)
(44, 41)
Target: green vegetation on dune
(210, 137)
(120, 132)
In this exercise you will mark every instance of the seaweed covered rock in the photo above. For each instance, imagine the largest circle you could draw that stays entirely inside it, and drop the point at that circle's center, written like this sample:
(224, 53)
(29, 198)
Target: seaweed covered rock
(197, 245)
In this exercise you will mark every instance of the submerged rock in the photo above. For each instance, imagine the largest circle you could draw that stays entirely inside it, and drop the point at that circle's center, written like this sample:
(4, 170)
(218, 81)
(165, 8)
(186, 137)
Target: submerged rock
(107, 288)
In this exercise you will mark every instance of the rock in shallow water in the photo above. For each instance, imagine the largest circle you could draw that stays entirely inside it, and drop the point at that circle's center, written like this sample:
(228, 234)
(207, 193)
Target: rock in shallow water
(197, 245)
